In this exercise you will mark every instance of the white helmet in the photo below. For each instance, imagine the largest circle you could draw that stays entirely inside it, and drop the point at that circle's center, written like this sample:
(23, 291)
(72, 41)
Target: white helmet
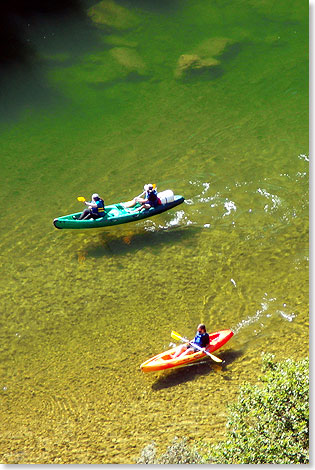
(95, 196)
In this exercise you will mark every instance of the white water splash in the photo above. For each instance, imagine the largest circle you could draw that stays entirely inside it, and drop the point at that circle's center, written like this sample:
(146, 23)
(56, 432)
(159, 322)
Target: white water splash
(254, 318)
(248, 321)
(276, 201)
(179, 218)
(150, 228)
(287, 316)
(204, 189)
(206, 186)
(229, 206)
(264, 312)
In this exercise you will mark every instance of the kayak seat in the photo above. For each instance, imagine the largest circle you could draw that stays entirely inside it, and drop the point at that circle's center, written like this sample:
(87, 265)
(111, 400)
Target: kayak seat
(112, 212)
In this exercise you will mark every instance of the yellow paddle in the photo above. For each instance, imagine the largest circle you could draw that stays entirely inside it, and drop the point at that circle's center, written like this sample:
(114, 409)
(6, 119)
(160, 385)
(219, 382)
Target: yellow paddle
(177, 336)
(81, 199)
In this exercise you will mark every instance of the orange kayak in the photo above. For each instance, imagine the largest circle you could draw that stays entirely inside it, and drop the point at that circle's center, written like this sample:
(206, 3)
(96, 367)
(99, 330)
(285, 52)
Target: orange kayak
(165, 360)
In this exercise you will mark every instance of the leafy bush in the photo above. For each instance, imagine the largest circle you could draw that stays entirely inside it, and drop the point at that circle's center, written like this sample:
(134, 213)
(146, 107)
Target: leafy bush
(270, 422)
(148, 454)
(177, 453)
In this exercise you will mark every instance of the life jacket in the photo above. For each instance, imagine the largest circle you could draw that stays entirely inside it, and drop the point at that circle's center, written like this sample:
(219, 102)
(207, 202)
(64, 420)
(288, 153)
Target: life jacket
(202, 340)
(99, 210)
(153, 198)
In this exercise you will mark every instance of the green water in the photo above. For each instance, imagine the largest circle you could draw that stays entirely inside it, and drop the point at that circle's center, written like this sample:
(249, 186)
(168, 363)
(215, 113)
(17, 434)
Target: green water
(99, 108)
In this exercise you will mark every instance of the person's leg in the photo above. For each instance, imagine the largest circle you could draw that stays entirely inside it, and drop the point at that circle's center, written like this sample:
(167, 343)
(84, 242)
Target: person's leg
(84, 214)
(130, 203)
(88, 216)
(142, 207)
(188, 350)
(181, 350)
(94, 216)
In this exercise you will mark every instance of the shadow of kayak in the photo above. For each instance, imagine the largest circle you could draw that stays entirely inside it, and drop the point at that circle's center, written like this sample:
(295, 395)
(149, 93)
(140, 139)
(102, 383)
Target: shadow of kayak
(172, 378)
(183, 375)
(106, 244)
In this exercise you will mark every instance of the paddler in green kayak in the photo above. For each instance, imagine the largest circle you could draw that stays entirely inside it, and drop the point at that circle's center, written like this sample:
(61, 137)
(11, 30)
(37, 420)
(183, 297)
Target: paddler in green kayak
(95, 208)
(150, 198)
(201, 339)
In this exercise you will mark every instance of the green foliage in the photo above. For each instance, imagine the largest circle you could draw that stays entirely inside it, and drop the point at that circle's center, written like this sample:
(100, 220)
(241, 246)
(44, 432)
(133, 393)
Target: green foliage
(148, 454)
(268, 424)
(177, 453)
(270, 421)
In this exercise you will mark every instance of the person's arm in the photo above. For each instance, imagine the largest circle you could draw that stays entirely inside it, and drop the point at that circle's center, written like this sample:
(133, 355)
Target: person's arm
(139, 197)
(142, 201)
(90, 204)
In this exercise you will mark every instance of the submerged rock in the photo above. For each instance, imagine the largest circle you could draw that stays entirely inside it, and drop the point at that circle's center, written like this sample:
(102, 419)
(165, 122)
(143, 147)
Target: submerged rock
(108, 13)
(115, 40)
(129, 59)
(108, 67)
(204, 58)
(213, 47)
(192, 62)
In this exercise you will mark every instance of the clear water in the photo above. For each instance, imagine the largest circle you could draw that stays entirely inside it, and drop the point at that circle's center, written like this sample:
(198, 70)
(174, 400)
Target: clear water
(98, 108)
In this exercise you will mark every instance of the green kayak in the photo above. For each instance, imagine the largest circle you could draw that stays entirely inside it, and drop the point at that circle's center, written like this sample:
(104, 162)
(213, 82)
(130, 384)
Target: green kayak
(115, 214)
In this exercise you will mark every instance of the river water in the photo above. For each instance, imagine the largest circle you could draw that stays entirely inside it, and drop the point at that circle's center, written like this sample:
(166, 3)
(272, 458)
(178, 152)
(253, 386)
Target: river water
(101, 104)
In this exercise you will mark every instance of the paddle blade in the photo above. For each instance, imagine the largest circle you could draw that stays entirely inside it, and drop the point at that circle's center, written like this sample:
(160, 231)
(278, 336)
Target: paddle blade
(177, 336)
(214, 358)
(81, 199)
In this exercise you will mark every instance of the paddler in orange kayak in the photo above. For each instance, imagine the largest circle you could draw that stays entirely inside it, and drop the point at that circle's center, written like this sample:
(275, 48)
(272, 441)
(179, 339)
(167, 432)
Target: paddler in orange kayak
(201, 339)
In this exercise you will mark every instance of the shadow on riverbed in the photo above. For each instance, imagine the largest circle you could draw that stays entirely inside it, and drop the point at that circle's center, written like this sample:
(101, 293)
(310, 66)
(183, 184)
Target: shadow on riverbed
(33, 35)
(131, 242)
(189, 373)
(15, 19)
